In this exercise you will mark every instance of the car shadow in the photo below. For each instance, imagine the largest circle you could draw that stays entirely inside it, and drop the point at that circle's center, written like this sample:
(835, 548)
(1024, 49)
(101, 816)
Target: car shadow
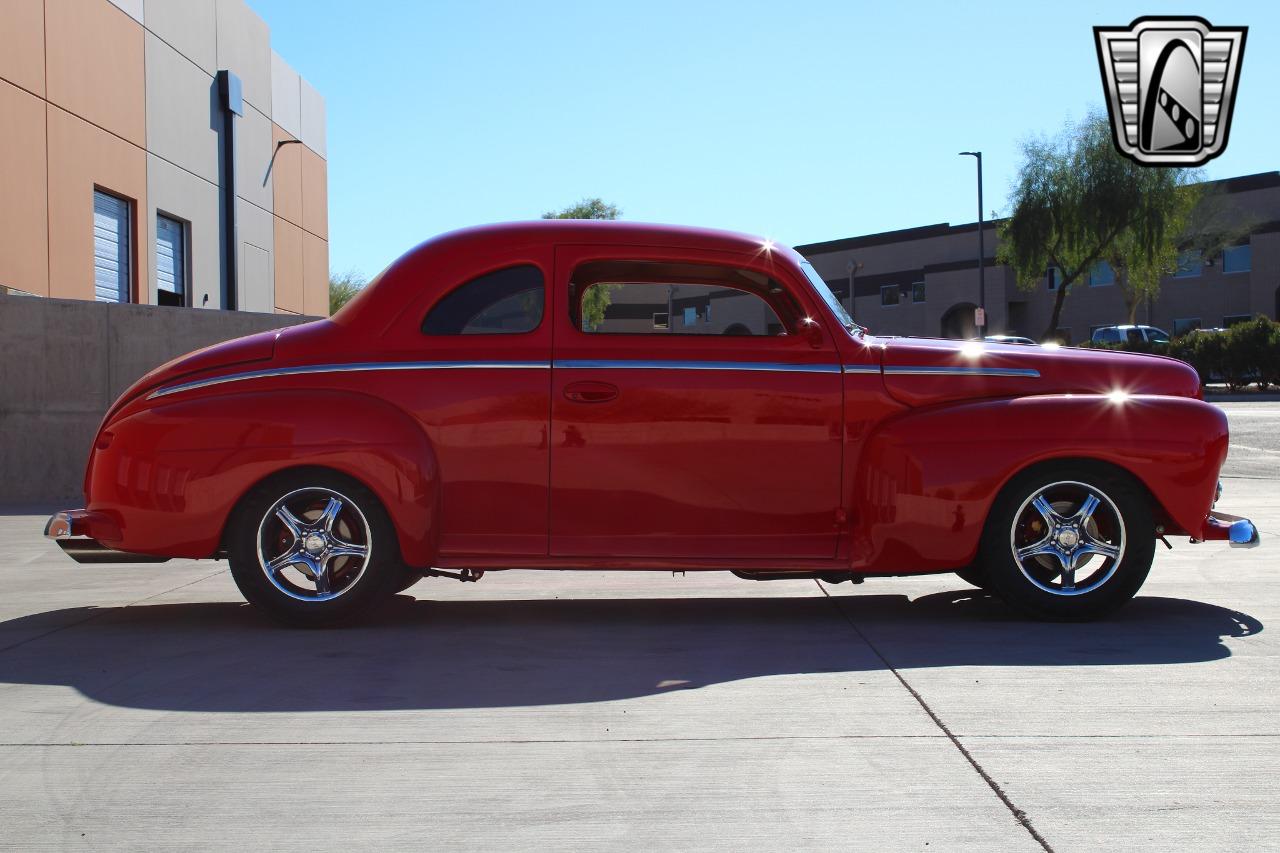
(423, 654)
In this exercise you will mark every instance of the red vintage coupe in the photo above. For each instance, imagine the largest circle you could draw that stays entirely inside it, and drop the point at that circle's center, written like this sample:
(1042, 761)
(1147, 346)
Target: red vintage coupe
(563, 395)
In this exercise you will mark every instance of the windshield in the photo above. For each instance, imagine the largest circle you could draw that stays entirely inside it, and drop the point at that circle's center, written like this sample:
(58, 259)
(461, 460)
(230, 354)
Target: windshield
(827, 296)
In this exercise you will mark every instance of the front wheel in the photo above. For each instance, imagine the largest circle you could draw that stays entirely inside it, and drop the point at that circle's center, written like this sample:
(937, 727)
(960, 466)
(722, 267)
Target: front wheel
(313, 547)
(1069, 541)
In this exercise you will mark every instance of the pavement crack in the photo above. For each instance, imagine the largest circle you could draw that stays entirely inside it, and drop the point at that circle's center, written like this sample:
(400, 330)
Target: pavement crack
(102, 611)
(1018, 814)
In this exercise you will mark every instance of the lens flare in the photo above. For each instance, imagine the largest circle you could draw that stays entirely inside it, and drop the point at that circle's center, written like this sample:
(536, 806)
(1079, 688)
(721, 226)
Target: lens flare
(972, 349)
(1118, 397)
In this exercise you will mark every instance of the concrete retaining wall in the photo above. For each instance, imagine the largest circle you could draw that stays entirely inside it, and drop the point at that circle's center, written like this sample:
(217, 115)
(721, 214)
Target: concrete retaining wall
(64, 361)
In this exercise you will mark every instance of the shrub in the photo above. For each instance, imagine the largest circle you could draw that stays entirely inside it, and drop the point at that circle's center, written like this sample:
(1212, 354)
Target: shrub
(1251, 353)
(1245, 353)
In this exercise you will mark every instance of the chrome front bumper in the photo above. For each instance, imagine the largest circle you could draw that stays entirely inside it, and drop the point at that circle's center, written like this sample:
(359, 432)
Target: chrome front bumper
(1239, 532)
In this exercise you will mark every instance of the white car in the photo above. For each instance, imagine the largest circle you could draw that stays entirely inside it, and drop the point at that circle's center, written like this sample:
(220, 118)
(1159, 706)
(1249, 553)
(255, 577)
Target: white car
(1130, 335)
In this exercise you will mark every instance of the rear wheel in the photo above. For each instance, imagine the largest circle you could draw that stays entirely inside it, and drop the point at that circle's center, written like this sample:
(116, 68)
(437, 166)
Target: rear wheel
(1069, 541)
(313, 548)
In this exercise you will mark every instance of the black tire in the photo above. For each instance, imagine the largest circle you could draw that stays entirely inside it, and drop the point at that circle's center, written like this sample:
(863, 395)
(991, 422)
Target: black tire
(351, 584)
(1043, 583)
(974, 575)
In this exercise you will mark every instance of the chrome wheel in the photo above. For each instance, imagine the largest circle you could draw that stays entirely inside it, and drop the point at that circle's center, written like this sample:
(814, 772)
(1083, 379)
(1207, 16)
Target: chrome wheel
(314, 544)
(1068, 538)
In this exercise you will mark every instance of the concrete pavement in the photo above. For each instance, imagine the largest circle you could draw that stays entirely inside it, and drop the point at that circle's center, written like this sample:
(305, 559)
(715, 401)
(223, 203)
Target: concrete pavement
(146, 706)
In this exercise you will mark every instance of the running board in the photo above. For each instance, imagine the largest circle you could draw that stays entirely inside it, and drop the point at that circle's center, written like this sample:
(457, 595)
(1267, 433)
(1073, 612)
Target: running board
(92, 552)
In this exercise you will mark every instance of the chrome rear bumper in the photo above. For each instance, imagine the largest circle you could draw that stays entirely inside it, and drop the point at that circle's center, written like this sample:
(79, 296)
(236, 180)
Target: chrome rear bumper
(74, 530)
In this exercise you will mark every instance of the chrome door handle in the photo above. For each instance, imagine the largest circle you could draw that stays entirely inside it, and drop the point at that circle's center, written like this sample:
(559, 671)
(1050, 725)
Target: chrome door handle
(590, 392)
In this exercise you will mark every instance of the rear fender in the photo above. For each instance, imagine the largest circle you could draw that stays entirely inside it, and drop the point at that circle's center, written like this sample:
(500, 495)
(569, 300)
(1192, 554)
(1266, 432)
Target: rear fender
(171, 474)
(928, 477)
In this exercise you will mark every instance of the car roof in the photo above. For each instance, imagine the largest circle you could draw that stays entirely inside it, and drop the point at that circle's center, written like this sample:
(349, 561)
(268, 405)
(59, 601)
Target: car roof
(386, 291)
(605, 231)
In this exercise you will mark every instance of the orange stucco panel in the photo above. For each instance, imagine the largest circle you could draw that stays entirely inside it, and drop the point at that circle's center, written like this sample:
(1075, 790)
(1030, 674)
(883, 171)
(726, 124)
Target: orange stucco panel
(24, 213)
(286, 177)
(315, 193)
(94, 65)
(315, 275)
(81, 158)
(22, 44)
(289, 265)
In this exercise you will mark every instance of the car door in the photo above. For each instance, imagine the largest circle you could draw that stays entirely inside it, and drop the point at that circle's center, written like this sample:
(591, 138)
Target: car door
(690, 418)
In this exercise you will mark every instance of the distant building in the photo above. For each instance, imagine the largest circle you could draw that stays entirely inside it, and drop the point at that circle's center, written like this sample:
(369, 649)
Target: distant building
(115, 179)
(924, 281)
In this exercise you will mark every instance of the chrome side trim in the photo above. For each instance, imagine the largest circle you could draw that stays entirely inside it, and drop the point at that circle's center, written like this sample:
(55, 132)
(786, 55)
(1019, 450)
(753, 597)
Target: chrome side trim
(637, 364)
(348, 368)
(572, 364)
(962, 371)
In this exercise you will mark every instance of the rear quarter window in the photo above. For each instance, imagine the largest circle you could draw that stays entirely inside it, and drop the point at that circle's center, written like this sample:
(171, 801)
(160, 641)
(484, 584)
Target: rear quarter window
(505, 302)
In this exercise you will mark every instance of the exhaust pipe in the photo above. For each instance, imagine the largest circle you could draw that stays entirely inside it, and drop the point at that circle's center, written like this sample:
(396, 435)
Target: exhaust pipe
(93, 552)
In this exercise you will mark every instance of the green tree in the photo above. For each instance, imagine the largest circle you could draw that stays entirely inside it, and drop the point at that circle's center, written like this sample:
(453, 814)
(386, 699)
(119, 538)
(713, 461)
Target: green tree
(1204, 223)
(598, 297)
(1077, 202)
(343, 288)
(587, 208)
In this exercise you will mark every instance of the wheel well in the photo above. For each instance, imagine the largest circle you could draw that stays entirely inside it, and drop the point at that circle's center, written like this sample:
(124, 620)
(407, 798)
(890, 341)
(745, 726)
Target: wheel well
(286, 472)
(1161, 515)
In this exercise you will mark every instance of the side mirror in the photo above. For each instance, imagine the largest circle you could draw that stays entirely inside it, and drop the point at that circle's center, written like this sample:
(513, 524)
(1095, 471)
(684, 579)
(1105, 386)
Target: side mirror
(811, 331)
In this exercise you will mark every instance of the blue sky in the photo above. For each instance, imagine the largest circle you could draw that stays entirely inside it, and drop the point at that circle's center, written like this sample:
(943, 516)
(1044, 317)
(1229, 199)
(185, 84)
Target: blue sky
(799, 121)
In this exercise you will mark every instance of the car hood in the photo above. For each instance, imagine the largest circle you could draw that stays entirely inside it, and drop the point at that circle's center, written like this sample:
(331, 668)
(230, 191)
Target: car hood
(926, 371)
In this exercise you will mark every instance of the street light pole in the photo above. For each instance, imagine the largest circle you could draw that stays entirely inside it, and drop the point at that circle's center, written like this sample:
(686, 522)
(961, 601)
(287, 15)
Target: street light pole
(982, 258)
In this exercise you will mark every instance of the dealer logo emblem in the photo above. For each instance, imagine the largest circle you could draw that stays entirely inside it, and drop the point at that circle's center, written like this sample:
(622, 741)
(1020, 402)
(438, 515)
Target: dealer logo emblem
(1171, 84)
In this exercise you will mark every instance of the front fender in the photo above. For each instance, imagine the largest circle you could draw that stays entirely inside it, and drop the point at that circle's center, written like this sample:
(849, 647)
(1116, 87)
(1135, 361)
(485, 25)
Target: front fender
(170, 475)
(927, 478)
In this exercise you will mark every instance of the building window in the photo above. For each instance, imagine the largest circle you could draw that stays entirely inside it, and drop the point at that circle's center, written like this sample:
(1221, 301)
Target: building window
(1190, 264)
(1101, 275)
(1181, 327)
(1232, 319)
(917, 292)
(171, 261)
(1054, 276)
(1237, 258)
(889, 295)
(505, 302)
(112, 247)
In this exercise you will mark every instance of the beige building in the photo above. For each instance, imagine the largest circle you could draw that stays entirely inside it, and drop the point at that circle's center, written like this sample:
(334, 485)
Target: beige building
(141, 158)
(924, 281)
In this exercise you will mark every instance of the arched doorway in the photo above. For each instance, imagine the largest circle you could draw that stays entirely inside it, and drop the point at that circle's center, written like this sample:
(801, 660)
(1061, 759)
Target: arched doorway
(958, 321)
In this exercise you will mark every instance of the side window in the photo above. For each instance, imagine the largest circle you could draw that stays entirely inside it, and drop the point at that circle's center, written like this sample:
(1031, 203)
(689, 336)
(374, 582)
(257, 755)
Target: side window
(644, 307)
(505, 302)
(655, 298)
(1134, 336)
